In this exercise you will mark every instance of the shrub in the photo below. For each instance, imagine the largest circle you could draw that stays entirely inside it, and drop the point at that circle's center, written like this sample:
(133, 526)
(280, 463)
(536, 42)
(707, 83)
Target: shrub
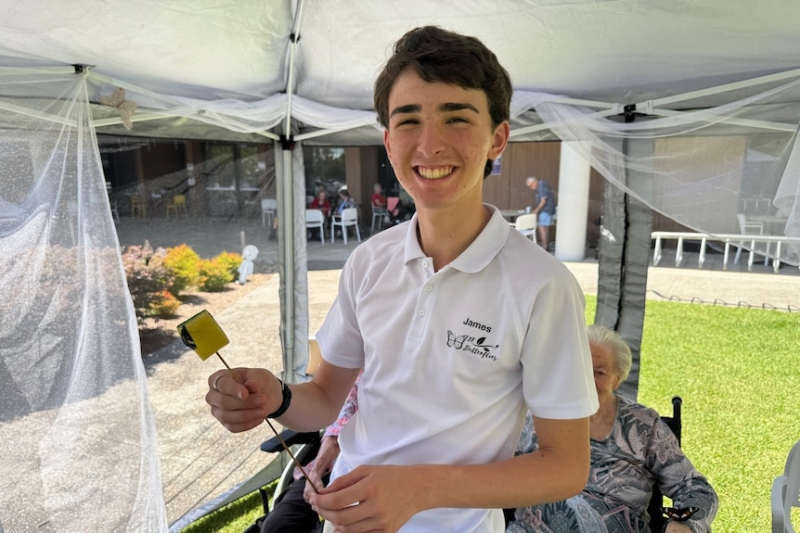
(184, 262)
(214, 276)
(147, 276)
(231, 261)
(164, 305)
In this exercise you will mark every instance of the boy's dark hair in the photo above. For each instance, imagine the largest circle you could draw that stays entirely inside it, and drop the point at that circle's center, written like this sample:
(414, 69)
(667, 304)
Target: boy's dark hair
(438, 55)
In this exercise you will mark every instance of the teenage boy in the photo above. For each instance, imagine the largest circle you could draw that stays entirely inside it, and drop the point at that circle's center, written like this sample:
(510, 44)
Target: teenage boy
(460, 324)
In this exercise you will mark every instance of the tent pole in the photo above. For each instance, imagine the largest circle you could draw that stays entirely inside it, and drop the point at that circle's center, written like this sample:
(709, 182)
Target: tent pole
(287, 228)
(622, 268)
(288, 213)
(320, 133)
(780, 76)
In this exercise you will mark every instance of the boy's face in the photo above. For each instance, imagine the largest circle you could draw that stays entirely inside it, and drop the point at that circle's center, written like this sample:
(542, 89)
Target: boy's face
(439, 139)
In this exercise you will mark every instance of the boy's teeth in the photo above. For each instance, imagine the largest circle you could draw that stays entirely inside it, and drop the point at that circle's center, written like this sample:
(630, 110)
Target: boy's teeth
(434, 173)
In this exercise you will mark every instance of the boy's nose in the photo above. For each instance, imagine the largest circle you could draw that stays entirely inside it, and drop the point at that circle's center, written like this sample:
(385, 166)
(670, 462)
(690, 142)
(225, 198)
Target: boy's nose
(431, 141)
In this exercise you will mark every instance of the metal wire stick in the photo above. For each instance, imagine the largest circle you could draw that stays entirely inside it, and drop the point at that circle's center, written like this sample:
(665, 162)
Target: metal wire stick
(285, 446)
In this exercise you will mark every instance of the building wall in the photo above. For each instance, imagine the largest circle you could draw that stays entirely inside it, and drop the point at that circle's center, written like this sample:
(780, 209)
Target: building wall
(542, 160)
(361, 166)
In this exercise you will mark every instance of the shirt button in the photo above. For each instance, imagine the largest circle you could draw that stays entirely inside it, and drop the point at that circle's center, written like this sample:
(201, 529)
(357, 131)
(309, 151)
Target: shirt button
(424, 264)
(421, 312)
(428, 288)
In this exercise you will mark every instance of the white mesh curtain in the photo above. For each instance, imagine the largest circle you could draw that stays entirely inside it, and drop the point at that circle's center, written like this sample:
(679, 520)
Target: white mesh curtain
(703, 168)
(79, 449)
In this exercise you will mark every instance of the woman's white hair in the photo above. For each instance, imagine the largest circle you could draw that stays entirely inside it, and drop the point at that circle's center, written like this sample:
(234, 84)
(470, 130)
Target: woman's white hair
(603, 336)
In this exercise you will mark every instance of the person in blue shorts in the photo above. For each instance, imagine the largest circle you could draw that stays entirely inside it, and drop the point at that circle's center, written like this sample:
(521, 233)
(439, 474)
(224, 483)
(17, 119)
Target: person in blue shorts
(545, 207)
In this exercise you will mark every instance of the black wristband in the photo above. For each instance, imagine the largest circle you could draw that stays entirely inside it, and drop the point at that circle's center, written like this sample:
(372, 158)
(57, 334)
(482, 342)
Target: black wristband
(287, 399)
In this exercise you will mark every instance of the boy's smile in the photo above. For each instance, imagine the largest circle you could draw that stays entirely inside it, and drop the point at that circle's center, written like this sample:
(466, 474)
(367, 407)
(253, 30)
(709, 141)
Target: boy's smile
(439, 139)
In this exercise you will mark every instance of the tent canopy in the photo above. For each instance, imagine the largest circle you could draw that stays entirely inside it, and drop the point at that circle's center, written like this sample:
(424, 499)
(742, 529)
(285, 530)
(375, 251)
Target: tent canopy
(616, 52)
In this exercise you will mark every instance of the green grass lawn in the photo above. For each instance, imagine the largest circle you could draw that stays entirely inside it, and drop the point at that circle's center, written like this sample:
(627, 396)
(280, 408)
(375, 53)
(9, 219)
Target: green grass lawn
(738, 372)
(233, 518)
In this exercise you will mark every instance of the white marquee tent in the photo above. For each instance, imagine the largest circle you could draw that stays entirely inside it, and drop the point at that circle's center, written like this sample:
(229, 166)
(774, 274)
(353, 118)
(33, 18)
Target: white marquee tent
(688, 108)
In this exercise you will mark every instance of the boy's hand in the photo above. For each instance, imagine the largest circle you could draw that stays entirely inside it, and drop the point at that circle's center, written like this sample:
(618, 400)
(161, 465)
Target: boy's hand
(367, 499)
(240, 402)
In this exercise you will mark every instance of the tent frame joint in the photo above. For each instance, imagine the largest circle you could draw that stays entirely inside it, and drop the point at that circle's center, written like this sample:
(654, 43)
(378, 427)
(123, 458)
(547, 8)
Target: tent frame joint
(80, 68)
(287, 143)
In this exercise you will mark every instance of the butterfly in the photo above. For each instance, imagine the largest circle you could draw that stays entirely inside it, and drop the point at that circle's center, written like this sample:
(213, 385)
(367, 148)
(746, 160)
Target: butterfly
(126, 108)
(455, 342)
(680, 515)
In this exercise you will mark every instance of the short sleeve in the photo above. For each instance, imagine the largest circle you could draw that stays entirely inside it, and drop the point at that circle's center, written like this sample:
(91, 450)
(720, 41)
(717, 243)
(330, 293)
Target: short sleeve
(339, 338)
(558, 382)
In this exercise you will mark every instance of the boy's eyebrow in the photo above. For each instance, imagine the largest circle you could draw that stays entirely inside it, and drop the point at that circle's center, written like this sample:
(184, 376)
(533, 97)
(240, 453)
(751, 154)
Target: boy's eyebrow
(410, 108)
(446, 107)
(454, 106)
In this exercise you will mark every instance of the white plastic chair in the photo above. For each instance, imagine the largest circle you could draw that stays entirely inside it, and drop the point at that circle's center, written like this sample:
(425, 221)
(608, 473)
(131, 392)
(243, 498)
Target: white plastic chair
(315, 219)
(269, 208)
(526, 224)
(749, 228)
(786, 493)
(349, 217)
(379, 213)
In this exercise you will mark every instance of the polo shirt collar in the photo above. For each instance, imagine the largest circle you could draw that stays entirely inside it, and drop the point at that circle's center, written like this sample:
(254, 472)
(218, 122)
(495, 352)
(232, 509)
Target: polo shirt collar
(479, 254)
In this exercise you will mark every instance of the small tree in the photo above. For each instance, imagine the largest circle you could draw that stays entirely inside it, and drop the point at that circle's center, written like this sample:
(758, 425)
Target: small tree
(148, 277)
(231, 261)
(185, 264)
(214, 276)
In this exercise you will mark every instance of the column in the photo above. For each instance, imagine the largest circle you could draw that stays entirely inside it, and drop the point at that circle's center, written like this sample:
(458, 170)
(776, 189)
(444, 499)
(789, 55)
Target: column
(573, 204)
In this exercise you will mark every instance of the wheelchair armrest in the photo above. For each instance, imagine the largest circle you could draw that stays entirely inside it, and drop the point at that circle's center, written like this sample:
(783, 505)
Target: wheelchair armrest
(290, 437)
(776, 503)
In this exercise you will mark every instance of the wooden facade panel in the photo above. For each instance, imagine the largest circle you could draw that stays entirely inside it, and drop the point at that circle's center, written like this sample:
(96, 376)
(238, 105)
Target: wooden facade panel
(520, 160)
(542, 159)
(719, 160)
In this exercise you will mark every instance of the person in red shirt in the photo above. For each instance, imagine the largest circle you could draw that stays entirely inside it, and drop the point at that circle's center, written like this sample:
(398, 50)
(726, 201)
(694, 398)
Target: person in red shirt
(378, 198)
(321, 202)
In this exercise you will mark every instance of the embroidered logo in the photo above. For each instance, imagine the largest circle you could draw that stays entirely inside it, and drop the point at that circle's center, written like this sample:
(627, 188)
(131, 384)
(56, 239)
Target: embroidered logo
(468, 343)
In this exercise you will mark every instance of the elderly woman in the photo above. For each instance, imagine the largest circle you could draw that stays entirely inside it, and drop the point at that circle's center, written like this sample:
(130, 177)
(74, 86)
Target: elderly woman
(632, 449)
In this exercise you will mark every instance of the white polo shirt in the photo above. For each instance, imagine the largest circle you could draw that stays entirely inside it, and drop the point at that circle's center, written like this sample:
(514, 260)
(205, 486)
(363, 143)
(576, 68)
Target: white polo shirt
(453, 359)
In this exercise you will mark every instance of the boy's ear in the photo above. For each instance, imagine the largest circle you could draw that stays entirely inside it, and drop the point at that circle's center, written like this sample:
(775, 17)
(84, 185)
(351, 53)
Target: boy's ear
(501, 134)
(387, 144)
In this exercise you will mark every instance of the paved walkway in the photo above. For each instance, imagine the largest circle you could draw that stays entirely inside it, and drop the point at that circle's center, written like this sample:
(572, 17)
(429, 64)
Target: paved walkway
(200, 460)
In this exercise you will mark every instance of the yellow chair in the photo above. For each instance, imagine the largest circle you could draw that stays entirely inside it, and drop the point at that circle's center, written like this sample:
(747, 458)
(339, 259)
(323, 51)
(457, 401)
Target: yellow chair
(138, 207)
(177, 204)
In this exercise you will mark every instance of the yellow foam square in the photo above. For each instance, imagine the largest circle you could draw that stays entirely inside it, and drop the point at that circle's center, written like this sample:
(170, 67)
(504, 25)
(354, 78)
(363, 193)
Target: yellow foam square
(202, 334)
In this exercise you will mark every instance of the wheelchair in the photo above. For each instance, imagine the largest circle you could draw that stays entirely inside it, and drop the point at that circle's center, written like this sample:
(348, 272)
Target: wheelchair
(308, 443)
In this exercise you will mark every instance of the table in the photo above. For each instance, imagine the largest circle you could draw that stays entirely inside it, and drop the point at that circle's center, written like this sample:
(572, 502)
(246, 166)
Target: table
(511, 214)
(770, 222)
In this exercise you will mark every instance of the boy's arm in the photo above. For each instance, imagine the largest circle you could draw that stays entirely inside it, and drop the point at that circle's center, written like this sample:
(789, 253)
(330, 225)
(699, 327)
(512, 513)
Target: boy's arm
(557, 470)
(314, 405)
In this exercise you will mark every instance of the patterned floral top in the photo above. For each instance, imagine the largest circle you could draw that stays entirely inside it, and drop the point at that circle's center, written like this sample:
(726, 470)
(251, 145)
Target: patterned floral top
(639, 452)
(348, 410)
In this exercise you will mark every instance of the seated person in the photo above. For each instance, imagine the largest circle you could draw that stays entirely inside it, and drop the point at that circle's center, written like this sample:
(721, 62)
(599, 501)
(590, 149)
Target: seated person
(321, 202)
(345, 202)
(632, 449)
(292, 512)
(378, 199)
